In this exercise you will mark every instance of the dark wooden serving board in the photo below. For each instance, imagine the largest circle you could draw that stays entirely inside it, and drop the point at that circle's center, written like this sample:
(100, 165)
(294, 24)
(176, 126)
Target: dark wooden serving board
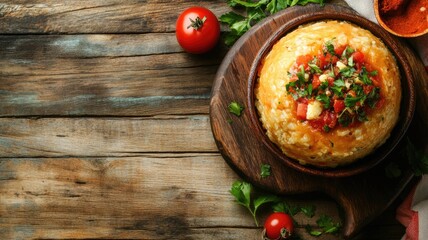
(362, 197)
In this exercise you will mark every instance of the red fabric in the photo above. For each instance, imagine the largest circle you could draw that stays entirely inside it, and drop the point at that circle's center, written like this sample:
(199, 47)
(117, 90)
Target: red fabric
(408, 217)
(412, 230)
(404, 211)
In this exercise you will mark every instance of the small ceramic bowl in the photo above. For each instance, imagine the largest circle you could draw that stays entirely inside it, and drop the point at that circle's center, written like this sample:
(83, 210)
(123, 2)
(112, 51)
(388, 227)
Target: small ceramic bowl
(382, 21)
(407, 107)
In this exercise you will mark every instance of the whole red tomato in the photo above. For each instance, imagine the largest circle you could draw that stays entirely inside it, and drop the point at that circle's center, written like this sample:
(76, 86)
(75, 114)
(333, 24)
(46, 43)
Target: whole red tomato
(279, 225)
(197, 30)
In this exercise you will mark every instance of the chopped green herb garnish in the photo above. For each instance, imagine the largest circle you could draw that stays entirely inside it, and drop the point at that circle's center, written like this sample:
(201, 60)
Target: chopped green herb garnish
(243, 193)
(236, 108)
(309, 211)
(314, 68)
(324, 99)
(286, 208)
(254, 11)
(265, 170)
(330, 47)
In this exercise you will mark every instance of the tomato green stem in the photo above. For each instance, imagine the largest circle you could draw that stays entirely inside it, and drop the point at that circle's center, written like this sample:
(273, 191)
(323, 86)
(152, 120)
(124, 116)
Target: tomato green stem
(197, 23)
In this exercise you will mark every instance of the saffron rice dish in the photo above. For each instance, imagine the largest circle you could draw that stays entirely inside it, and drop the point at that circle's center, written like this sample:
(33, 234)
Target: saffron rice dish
(328, 93)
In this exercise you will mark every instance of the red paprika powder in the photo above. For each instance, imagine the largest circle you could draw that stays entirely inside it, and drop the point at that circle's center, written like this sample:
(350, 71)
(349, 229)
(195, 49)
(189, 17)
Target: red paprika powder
(405, 16)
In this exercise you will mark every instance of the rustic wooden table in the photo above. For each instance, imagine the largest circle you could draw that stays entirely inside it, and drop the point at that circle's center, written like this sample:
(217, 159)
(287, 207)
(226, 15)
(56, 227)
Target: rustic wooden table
(105, 132)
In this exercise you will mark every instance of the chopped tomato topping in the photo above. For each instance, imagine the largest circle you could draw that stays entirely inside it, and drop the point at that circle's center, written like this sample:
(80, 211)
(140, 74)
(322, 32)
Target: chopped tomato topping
(338, 105)
(302, 108)
(380, 103)
(358, 57)
(349, 84)
(330, 119)
(339, 50)
(304, 60)
(325, 60)
(316, 81)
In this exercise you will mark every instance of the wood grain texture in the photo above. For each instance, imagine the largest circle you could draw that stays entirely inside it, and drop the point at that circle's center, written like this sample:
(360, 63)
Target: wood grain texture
(143, 197)
(97, 16)
(364, 196)
(53, 137)
(131, 75)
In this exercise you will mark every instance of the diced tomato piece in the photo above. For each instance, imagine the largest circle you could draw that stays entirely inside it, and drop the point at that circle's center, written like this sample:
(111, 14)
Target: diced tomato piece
(367, 89)
(330, 119)
(302, 108)
(330, 81)
(325, 60)
(316, 81)
(327, 118)
(303, 60)
(358, 57)
(375, 81)
(380, 103)
(317, 124)
(293, 78)
(339, 50)
(338, 105)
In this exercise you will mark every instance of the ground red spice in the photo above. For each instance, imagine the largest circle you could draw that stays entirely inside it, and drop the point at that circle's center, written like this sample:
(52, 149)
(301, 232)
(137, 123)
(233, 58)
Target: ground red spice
(405, 16)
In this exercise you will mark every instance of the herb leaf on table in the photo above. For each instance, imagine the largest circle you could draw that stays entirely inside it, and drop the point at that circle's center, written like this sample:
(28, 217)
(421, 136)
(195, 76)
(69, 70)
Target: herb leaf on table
(254, 12)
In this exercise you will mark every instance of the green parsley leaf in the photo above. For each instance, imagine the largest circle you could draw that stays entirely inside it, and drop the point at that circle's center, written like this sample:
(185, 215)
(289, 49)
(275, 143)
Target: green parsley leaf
(314, 68)
(330, 47)
(347, 71)
(263, 200)
(255, 11)
(347, 52)
(364, 76)
(324, 99)
(275, 6)
(351, 101)
(339, 83)
(286, 208)
(373, 73)
(249, 4)
(310, 88)
(313, 232)
(326, 223)
(309, 211)
(235, 108)
(301, 74)
(265, 170)
(243, 191)
(231, 18)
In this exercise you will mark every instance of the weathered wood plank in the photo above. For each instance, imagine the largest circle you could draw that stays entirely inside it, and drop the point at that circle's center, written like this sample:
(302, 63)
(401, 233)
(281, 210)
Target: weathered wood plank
(104, 136)
(131, 75)
(96, 16)
(153, 196)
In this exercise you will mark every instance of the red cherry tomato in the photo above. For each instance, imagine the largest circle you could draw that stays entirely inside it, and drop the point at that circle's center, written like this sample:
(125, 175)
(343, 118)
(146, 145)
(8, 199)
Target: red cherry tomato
(279, 226)
(197, 30)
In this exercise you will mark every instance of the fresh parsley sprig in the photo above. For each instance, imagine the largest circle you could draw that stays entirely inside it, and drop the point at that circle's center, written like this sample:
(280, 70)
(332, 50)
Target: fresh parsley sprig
(245, 196)
(254, 12)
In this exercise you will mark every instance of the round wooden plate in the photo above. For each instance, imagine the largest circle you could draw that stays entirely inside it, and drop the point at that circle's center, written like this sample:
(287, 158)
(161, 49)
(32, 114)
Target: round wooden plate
(362, 197)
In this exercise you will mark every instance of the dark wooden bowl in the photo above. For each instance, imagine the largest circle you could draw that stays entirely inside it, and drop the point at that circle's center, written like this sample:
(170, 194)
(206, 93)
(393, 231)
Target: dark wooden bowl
(242, 143)
(407, 107)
